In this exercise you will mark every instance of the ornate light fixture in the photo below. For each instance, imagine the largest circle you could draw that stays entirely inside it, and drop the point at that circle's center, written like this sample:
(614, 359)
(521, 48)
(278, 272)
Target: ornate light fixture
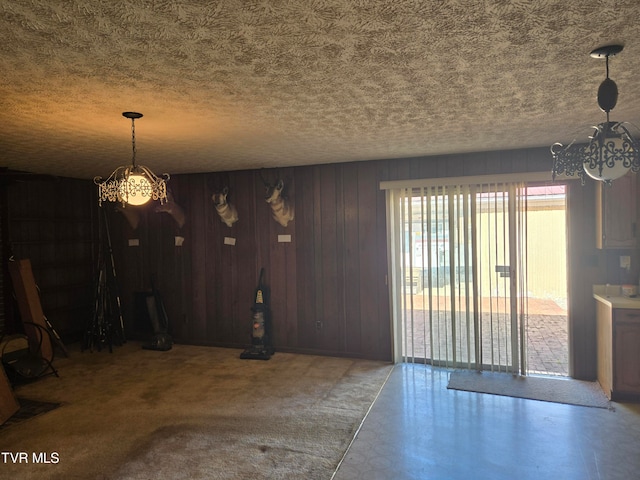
(133, 184)
(611, 151)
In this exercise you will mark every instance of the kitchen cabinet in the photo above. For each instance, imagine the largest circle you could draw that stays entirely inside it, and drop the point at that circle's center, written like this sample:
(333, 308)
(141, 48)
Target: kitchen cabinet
(618, 331)
(616, 213)
(627, 351)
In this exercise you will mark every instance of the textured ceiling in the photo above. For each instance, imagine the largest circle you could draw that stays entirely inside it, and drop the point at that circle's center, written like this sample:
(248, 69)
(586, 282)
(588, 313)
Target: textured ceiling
(238, 84)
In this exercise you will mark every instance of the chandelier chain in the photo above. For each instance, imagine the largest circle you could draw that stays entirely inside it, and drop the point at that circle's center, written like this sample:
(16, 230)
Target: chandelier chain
(133, 141)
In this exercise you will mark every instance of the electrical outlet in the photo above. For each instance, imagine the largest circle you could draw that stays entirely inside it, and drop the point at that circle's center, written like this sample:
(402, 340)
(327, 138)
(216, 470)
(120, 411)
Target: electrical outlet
(625, 261)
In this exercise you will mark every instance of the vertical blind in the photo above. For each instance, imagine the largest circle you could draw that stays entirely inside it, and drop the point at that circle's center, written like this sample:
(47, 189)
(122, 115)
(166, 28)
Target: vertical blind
(457, 262)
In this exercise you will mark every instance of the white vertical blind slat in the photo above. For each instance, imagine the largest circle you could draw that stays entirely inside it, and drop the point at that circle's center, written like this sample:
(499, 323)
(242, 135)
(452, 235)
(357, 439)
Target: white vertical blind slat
(450, 247)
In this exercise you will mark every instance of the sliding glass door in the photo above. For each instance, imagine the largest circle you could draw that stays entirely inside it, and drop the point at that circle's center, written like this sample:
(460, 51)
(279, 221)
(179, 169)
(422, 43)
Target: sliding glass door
(457, 255)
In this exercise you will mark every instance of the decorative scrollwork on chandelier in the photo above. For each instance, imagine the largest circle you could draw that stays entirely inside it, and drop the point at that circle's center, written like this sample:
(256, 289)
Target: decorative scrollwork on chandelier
(611, 150)
(133, 184)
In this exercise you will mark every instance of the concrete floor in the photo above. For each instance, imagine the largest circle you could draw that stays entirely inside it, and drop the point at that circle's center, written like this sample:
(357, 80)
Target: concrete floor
(417, 429)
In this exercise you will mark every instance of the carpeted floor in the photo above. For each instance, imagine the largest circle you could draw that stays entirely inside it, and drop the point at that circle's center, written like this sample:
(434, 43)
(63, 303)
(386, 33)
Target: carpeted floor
(193, 412)
(548, 389)
(29, 409)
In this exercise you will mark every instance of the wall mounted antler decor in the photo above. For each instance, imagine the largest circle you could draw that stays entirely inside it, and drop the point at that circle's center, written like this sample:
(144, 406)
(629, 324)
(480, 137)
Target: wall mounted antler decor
(228, 213)
(281, 206)
(173, 209)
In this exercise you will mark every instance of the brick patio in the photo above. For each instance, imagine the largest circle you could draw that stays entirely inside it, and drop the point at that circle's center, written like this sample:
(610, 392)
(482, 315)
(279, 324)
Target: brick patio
(547, 334)
(547, 344)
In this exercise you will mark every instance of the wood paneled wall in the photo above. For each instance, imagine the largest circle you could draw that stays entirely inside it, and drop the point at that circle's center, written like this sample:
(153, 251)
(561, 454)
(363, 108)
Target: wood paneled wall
(328, 285)
(53, 224)
(584, 271)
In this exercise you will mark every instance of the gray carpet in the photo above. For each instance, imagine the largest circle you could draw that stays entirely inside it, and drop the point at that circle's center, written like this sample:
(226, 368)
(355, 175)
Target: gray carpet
(193, 413)
(547, 389)
(29, 409)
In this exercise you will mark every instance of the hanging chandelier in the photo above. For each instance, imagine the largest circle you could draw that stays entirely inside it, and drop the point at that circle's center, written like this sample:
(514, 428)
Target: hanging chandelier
(611, 150)
(133, 184)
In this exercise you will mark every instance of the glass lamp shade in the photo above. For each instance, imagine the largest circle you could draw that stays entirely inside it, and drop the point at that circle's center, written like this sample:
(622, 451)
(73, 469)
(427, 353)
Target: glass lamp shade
(608, 173)
(610, 154)
(135, 189)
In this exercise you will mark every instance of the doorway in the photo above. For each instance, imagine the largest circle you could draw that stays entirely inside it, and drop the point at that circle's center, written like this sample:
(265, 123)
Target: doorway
(479, 276)
(547, 322)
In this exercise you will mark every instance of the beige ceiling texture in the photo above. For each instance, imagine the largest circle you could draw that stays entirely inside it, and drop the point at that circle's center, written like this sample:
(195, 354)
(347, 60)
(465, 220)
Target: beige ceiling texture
(235, 84)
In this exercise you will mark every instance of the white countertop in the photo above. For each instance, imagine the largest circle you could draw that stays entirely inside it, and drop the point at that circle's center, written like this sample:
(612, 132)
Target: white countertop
(610, 295)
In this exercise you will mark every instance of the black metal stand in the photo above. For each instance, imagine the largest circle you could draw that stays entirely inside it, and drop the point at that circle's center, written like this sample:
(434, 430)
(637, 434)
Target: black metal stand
(106, 326)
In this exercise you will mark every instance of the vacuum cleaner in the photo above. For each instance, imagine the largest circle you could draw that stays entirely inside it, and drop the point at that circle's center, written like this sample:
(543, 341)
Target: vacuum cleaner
(261, 348)
(161, 340)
